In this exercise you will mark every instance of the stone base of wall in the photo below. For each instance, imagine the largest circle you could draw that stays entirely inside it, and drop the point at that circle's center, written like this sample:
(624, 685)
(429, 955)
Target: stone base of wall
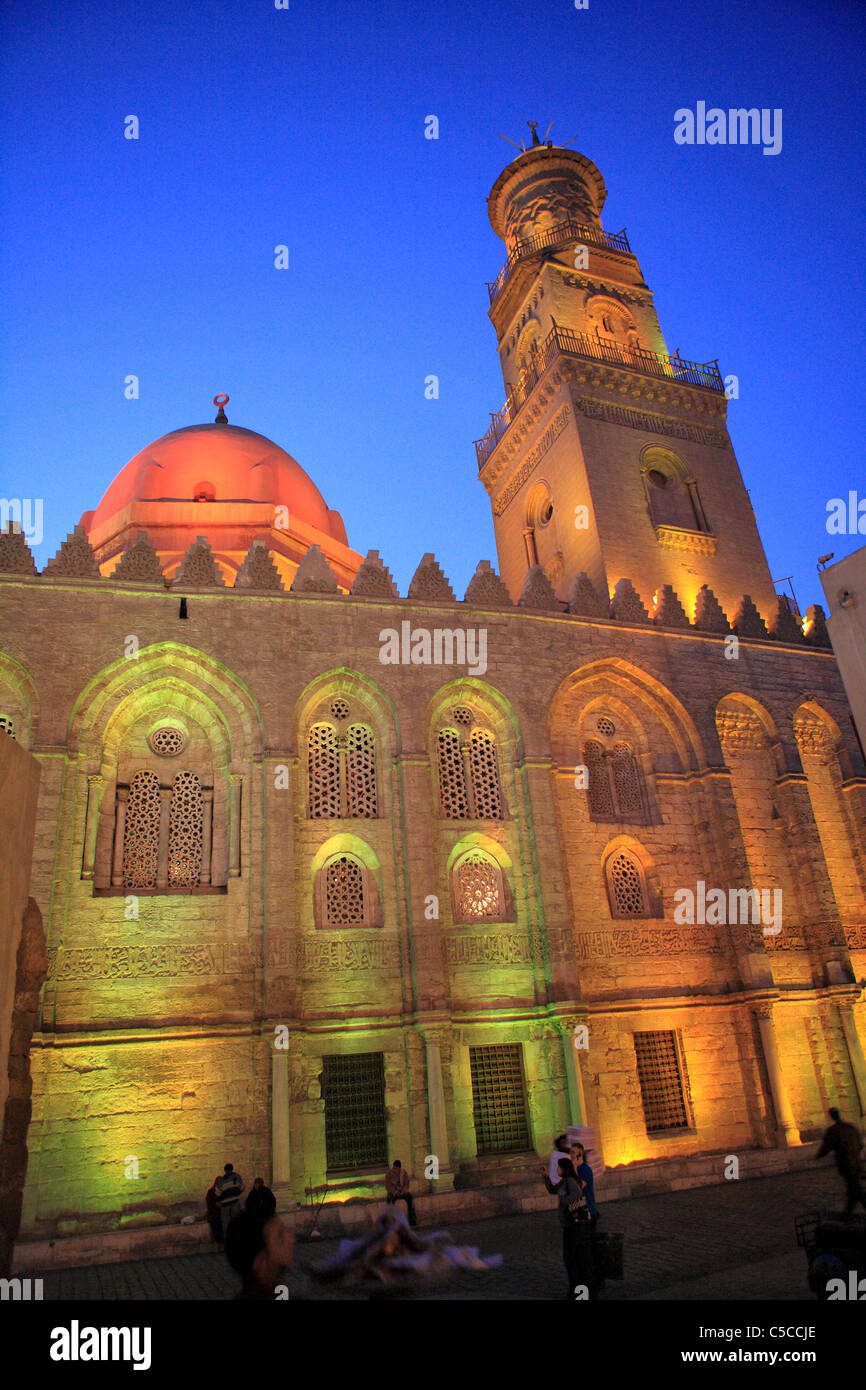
(348, 1218)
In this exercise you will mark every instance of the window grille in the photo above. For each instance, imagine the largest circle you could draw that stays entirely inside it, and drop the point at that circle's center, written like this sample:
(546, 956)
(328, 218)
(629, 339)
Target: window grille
(7, 726)
(340, 709)
(485, 776)
(627, 893)
(606, 726)
(661, 1081)
(167, 741)
(185, 831)
(479, 895)
(344, 893)
(141, 832)
(462, 714)
(601, 805)
(323, 765)
(626, 781)
(498, 1101)
(353, 1089)
(454, 803)
(360, 772)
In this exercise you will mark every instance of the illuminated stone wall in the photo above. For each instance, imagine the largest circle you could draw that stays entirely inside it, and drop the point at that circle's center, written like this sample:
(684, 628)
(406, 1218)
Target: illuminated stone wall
(154, 1052)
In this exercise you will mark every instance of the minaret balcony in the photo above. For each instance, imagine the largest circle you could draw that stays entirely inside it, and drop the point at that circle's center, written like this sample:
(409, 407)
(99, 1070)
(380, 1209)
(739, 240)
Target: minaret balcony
(561, 341)
(552, 240)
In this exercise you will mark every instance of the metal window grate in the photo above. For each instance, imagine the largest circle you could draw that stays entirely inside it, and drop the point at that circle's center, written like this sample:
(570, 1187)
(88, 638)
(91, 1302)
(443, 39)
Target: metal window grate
(353, 1089)
(661, 1081)
(498, 1102)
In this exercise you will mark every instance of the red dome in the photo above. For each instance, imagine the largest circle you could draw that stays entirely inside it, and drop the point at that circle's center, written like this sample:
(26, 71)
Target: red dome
(227, 464)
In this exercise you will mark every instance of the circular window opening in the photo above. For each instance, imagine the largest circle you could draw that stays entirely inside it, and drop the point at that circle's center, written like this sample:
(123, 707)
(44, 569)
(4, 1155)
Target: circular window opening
(203, 492)
(461, 714)
(606, 726)
(658, 478)
(545, 513)
(167, 742)
(340, 709)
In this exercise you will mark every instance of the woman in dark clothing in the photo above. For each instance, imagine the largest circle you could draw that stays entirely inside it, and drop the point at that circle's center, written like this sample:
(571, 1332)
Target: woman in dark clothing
(576, 1253)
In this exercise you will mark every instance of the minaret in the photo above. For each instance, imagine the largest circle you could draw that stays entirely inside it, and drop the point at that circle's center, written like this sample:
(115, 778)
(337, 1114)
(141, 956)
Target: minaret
(611, 456)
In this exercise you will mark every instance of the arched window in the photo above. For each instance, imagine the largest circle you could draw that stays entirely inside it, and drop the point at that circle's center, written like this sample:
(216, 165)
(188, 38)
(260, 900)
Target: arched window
(486, 791)
(626, 885)
(453, 798)
(344, 892)
(601, 802)
(478, 890)
(141, 832)
(469, 786)
(614, 779)
(185, 831)
(672, 496)
(361, 797)
(626, 783)
(341, 772)
(323, 771)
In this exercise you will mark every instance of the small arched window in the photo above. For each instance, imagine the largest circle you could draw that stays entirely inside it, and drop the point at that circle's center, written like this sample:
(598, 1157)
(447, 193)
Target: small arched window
(344, 892)
(323, 771)
(672, 500)
(141, 832)
(486, 791)
(478, 889)
(626, 885)
(361, 799)
(453, 798)
(185, 831)
(614, 779)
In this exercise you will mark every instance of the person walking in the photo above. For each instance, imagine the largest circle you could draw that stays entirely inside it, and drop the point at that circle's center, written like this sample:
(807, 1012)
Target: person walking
(261, 1201)
(845, 1141)
(397, 1182)
(227, 1191)
(575, 1224)
(259, 1250)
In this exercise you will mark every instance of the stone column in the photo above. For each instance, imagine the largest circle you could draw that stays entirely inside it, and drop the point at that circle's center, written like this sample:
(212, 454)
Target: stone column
(119, 827)
(855, 1051)
(786, 1126)
(207, 821)
(236, 780)
(436, 1114)
(573, 1074)
(95, 788)
(164, 825)
(280, 1153)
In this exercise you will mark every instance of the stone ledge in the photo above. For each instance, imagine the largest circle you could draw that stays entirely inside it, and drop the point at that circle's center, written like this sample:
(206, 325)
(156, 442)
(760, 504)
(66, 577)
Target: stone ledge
(642, 1179)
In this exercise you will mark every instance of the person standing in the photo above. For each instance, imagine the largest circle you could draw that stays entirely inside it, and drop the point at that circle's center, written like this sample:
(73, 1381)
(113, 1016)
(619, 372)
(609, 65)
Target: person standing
(844, 1140)
(575, 1224)
(261, 1201)
(227, 1191)
(586, 1178)
(559, 1150)
(397, 1182)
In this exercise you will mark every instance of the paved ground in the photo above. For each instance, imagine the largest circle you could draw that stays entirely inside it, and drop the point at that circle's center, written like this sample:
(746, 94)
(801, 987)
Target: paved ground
(731, 1241)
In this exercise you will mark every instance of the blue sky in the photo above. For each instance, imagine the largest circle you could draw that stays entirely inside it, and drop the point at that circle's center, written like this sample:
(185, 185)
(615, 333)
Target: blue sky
(261, 126)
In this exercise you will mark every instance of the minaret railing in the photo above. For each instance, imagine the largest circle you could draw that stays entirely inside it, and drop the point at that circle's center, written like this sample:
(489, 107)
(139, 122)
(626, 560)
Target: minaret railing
(551, 240)
(597, 349)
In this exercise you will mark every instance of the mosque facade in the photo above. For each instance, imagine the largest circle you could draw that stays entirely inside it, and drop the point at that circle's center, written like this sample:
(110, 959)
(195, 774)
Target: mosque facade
(331, 875)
